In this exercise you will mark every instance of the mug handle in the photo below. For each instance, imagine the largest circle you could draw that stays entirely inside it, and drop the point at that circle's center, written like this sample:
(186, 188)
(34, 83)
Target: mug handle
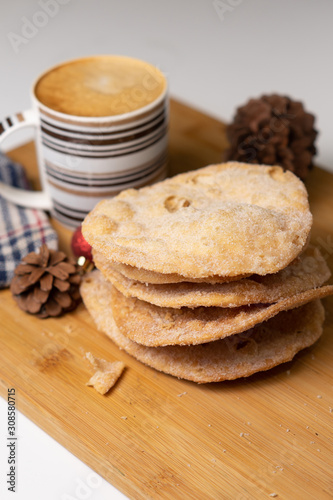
(22, 197)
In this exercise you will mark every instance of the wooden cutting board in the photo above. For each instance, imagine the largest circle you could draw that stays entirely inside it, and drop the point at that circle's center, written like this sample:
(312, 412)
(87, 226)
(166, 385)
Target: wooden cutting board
(154, 436)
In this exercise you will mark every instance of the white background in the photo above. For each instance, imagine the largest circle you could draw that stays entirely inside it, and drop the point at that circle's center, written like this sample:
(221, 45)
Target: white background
(215, 59)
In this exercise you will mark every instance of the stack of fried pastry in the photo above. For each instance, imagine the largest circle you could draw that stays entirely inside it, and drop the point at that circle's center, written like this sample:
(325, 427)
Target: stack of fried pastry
(208, 276)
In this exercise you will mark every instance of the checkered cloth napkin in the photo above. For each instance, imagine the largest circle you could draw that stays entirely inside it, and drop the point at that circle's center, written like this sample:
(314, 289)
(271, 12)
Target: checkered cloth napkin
(22, 230)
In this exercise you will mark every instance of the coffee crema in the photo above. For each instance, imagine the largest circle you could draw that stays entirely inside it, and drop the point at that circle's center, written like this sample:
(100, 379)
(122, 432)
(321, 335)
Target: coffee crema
(100, 86)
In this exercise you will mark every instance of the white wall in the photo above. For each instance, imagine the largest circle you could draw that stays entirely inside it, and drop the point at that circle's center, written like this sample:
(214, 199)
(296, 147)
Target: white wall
(215, 61)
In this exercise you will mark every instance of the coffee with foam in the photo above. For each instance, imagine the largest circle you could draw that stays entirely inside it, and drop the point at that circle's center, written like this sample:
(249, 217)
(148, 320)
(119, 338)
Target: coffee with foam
(100, 86)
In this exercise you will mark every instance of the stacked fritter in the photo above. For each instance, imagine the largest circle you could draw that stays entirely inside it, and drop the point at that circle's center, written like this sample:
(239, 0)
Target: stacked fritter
(208, 275)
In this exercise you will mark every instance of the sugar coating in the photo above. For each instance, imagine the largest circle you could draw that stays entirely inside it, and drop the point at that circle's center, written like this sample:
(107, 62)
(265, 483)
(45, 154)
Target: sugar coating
(152, 325)
(261, 348)
(308, 271)
(228, 220)
(152, 277)
(106, 373)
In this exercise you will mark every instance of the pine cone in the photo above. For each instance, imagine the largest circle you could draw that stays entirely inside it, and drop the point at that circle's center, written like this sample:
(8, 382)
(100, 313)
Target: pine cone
(273, 130)
(46, 284)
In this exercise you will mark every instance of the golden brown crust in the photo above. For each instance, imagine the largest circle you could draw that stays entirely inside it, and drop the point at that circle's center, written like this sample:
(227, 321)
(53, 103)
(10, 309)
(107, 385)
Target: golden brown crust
(155, 326)
(308, 271)
(228, 220)
(265, 346)
(145, 276)
(106, 373)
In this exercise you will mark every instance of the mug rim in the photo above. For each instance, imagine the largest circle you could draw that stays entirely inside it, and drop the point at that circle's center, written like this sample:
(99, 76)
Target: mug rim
(98, 119)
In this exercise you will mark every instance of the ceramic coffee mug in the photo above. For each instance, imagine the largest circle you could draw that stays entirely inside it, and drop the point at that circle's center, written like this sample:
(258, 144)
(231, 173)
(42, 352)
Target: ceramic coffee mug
(101, 127)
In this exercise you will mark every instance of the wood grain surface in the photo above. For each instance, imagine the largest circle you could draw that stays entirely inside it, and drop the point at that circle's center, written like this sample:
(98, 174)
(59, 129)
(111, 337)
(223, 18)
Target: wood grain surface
(154, 436)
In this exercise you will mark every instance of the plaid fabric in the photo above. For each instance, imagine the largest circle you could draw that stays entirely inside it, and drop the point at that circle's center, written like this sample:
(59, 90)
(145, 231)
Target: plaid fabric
(22, 230)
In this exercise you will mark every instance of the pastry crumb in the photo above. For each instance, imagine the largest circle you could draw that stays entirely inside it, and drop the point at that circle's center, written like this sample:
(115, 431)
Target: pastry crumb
(106, 374)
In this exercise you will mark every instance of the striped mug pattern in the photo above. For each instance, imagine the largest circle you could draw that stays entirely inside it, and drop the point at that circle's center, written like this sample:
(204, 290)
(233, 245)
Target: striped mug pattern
(83, 160)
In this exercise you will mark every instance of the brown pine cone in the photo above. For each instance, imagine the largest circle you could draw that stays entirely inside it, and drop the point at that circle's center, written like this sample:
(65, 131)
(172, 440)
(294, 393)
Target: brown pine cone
(46, 284)
(273, 130)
